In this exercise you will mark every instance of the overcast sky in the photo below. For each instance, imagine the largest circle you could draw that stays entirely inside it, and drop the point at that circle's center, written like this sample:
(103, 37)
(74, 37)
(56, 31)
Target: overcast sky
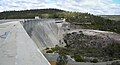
(97, 7)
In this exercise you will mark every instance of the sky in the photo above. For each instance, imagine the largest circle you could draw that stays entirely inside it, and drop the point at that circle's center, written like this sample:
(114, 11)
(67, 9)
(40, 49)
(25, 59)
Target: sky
(96, 7)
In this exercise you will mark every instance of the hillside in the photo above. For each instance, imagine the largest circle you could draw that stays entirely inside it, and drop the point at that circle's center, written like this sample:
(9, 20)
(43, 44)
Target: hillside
(82, 20)
(99, 45)
(27, 14)
(82, 45)
(112, 17)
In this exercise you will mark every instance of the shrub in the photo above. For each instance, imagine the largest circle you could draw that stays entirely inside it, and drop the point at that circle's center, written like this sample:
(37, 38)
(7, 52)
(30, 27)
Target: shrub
(94, 60)
(78, 58)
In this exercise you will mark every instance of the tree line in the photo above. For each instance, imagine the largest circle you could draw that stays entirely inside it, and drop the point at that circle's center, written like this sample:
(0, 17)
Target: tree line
(96, 22)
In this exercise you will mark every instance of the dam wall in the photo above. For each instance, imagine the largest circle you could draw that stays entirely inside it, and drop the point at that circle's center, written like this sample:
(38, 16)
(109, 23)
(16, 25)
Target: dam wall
(45, 33)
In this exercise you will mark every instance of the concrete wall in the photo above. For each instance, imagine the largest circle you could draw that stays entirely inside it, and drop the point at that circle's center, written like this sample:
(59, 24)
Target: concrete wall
(17, 48)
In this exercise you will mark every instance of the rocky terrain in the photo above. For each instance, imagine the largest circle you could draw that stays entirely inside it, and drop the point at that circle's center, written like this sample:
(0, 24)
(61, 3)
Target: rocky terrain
(35, 35)
(92, 44)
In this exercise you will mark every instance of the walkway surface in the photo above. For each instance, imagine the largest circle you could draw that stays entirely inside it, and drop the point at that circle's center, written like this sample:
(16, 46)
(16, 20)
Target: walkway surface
(17, 48)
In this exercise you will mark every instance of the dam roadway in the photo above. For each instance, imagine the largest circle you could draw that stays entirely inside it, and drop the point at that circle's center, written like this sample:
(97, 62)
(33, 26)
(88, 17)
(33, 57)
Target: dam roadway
(17, 47)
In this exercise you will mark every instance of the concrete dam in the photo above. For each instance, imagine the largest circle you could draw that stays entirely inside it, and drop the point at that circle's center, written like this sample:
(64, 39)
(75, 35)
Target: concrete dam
(45, 33)
(21, 41)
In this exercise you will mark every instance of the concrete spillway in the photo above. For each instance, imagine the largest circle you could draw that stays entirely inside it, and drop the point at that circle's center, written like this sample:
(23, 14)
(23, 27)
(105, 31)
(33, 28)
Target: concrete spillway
(45, 33)
(17, 48)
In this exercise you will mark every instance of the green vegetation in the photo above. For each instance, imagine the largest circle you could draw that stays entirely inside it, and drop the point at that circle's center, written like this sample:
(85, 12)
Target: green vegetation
(112, 17)
(27, 14)
(77, 49)
(85, 20)
(113, 50)
(77, 45)
(78, 58)
(62, 59)
(61, 50)
(80, 46)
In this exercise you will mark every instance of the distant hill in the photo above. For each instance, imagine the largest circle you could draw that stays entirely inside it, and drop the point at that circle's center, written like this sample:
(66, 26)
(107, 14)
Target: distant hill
(112, 17)
(84, 20)
(27, 13)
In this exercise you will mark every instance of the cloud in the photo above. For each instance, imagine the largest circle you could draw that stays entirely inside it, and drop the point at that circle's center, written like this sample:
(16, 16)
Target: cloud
(97, 7)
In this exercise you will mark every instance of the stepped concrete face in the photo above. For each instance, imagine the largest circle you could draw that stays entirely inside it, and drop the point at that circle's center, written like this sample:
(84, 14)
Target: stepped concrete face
(45, 33)
(17, 48)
